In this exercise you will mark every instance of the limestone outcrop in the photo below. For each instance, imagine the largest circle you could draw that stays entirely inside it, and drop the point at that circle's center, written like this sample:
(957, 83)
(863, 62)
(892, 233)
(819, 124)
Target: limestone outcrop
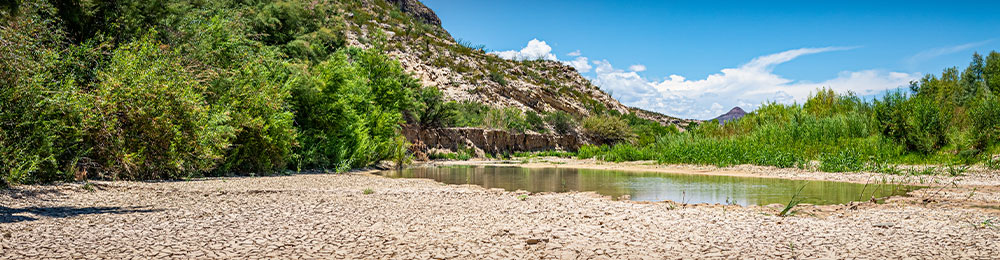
(491, 141)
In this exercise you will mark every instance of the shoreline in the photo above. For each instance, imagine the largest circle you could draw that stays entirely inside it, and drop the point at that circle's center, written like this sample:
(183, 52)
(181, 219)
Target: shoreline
(973, 178)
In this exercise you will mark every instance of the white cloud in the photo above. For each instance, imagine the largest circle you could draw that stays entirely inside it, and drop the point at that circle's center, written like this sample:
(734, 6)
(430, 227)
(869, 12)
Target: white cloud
(534, 51)
(580, 63)
(574, 53)
(747, 86)
(937, 52)
(637, 68)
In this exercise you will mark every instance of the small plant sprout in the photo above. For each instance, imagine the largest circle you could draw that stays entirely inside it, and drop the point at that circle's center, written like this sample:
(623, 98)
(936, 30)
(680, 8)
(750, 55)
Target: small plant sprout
(794, 201)
(367, 191)
(973, 193)
(522, 197)
(957, 170)
(987, 223)
(88, 186)
(993, 163)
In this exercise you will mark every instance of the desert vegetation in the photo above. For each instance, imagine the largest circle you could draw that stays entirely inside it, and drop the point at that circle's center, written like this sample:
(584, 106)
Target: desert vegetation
(172, 89)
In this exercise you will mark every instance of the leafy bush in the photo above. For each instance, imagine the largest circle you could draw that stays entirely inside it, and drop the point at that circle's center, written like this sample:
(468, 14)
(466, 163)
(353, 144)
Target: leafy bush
(534, 121)
(916, 122)
(510, 119)
(607, 129)
(349, 112)
(256, 96)
(149, 119)
(986, 121)
(647, 131)
(498, 78)
(827, 103)
(41, 138)
(430, 109)
(560, 121)
(469, 113)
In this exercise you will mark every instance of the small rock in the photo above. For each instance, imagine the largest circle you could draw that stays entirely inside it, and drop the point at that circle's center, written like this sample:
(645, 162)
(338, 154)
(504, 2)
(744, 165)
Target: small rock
(532, 241)
(884, 225)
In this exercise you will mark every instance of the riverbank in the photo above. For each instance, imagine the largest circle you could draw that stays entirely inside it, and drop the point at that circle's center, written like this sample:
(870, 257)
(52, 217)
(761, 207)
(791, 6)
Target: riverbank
(331, 216)
(974, 176)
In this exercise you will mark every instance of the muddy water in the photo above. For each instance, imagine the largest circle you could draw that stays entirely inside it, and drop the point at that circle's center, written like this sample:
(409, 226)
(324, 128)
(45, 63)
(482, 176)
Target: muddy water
(685, 188)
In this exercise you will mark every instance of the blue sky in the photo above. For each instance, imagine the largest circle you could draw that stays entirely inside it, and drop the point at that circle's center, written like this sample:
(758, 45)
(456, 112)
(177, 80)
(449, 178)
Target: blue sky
(700, 58)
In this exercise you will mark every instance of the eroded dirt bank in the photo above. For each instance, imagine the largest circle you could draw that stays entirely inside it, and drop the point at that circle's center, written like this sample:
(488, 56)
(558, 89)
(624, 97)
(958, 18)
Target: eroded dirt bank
(329, 216)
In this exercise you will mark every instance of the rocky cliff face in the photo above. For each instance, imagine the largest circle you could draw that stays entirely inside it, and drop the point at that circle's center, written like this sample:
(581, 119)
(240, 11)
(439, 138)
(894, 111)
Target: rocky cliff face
(417, 10)
(412, 33)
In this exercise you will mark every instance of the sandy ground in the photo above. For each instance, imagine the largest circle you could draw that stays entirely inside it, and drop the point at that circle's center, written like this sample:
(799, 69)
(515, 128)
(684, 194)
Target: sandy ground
(327, 216)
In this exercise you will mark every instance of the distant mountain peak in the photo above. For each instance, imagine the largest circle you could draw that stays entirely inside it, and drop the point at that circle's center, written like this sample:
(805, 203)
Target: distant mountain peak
(733, 114)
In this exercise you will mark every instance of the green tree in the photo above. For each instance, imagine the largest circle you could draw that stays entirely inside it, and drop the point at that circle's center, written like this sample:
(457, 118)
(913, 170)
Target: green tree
(991, 72)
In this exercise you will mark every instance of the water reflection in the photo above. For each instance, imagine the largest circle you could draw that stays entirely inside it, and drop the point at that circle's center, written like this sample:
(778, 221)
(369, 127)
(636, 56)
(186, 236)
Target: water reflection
(687, 188)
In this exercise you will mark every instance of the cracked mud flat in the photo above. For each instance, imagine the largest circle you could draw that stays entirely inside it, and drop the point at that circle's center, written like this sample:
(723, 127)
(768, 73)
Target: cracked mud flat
(328, 216)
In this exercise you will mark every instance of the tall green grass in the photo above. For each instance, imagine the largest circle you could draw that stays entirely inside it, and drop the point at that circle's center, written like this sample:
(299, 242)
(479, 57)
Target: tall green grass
(839, 131)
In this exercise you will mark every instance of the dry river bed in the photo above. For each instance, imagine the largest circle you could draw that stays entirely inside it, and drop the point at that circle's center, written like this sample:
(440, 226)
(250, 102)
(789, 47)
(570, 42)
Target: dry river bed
(331, 216)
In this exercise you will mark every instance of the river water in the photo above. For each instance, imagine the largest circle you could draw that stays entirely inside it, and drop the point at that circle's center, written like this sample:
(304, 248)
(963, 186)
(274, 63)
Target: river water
(645, 186)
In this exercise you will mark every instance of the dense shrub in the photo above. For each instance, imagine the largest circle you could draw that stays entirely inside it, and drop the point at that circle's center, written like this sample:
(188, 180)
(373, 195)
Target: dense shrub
(986, 122)
(510, 119)
(825, 103)
(535, 122)
(469, 113)
(224, 87)
(41, 139)
(607, 129)
(256, 97)
(560, 121)
(647, 131)
(149, 118)
(916, 122)
(430, 109)
(848, 160)
(348, 110)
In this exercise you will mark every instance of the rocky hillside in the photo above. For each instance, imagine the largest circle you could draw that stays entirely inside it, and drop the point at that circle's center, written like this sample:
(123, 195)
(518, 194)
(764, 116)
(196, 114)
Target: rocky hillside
(412, 33)
(734, 114)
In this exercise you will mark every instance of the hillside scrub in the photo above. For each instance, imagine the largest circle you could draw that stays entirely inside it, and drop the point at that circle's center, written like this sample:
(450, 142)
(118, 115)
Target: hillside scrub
(951, 119)
(152, 90)
(607, 129)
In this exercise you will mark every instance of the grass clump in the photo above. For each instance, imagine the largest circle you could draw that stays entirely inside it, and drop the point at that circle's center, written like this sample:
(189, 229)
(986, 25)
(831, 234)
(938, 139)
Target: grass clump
(794, 201)
(368, 191)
